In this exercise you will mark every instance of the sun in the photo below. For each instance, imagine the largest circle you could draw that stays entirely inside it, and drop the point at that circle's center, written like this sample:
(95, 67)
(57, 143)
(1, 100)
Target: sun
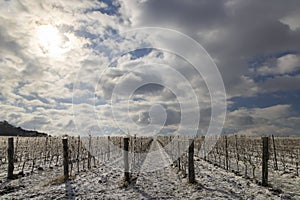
(50, 40)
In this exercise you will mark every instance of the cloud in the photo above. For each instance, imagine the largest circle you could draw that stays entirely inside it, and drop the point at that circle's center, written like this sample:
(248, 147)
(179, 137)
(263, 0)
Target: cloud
(35, 80)
(269, 130)
(243, 116)
(285, 83)
(228, 30)
(292, 20)
(36, 87)
(285, 64)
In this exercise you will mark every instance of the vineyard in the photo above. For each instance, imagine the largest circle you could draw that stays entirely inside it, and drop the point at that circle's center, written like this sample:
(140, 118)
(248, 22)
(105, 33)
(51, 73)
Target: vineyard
(271, 162)
(239, 154)
(39, 153)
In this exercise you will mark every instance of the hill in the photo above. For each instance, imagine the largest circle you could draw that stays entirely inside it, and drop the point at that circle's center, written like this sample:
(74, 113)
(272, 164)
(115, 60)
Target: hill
(7, 129)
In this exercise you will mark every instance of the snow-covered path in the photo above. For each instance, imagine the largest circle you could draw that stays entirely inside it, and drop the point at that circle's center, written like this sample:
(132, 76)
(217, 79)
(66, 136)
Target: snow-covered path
(156, 159)
(156, 180)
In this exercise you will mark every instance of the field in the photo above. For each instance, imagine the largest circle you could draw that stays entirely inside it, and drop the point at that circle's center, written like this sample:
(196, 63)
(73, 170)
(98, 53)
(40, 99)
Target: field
(99, 168)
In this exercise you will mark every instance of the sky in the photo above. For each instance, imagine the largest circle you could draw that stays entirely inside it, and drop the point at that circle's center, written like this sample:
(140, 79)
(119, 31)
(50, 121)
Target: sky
(149, 66)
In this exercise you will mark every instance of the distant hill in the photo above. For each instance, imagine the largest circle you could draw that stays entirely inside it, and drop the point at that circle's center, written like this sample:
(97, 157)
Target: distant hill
(7, 129)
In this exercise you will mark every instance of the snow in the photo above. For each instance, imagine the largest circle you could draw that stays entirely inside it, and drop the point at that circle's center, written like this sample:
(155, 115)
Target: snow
(157, 179)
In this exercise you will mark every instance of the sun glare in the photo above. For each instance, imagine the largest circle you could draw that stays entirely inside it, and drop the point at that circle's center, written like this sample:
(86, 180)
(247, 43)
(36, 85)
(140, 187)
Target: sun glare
(50, 40)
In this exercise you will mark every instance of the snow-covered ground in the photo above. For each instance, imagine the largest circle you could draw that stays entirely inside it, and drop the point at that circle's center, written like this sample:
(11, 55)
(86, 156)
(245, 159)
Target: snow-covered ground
(157, 180)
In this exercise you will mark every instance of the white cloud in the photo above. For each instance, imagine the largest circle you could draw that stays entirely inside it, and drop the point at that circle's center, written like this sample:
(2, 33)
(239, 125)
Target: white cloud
(286, 64)
(292, 21)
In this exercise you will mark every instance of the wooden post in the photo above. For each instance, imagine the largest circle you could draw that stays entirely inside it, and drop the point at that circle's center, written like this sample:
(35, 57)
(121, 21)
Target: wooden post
(178, 151)
(134, 148)
(46, 146)
(89, 152)
(265, 158)
(275, 155)
(120, 145)
(126, 163)
(10, 158)
(226, 153)
(78, 153)
(108, 148)
(191, 169)
(16, 150)
(297, 163)
(204, 147)
(237, 153)
(66, 158)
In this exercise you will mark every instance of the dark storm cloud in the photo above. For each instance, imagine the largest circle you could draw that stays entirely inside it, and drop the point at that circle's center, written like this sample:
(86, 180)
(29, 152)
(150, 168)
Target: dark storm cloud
(190, 14)
(233, 32)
